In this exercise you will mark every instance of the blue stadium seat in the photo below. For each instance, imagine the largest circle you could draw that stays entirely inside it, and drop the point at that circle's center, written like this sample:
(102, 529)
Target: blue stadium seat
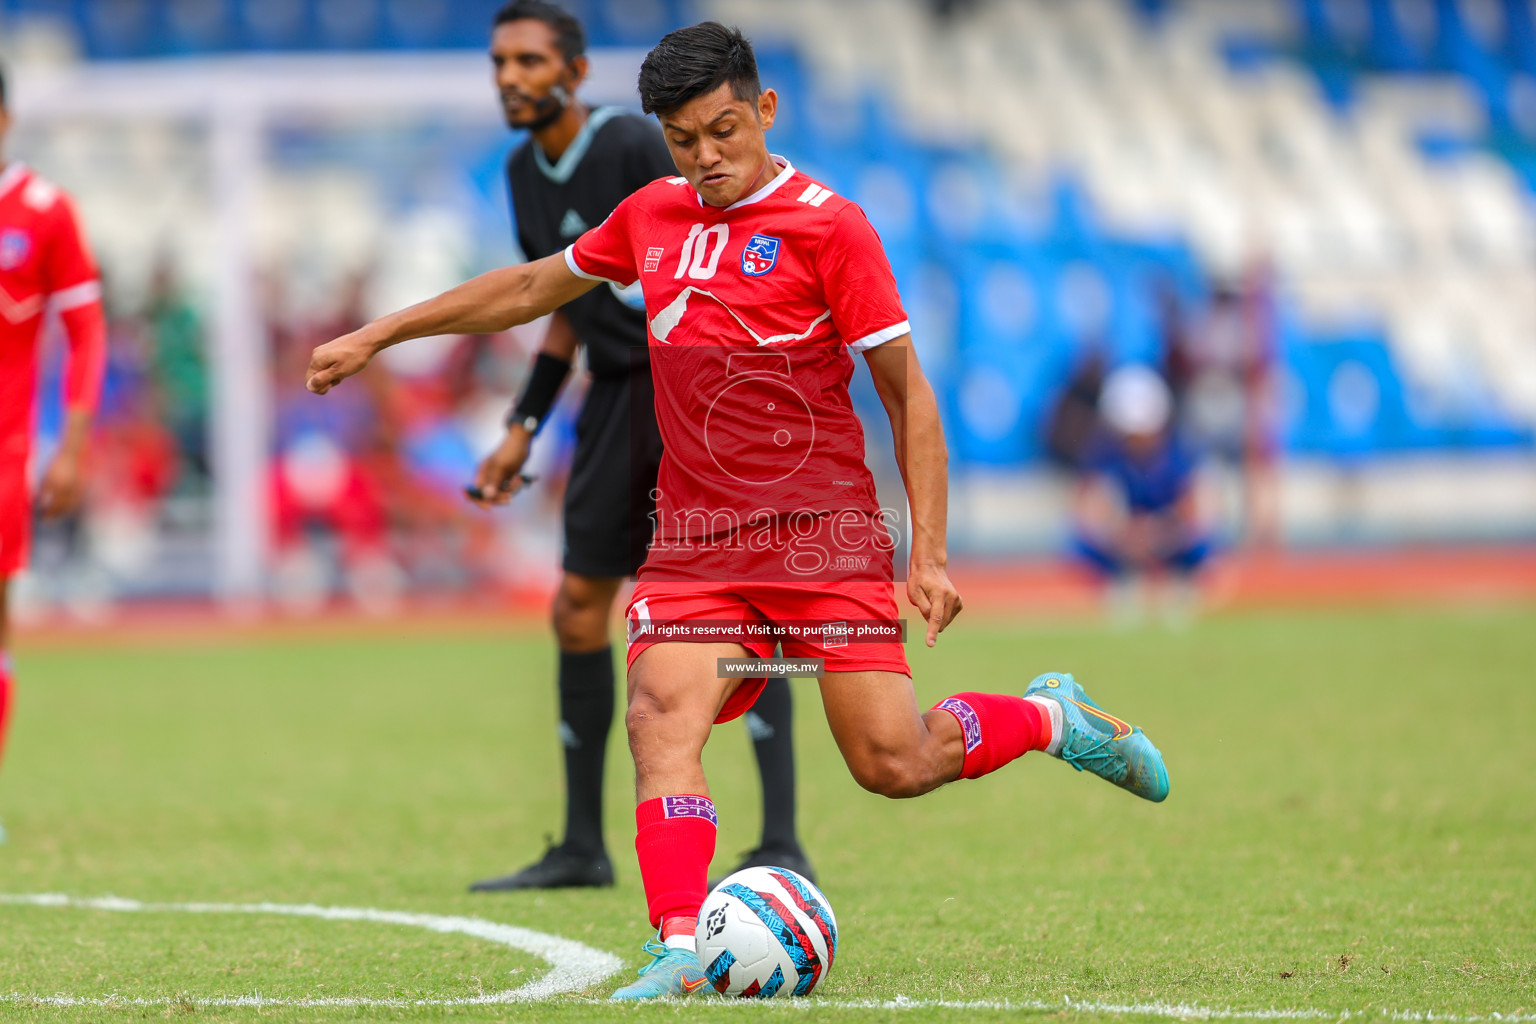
(1002, 305)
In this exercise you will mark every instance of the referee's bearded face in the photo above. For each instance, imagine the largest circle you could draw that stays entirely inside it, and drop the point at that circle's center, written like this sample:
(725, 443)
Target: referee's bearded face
(530, 69)
(719, 143)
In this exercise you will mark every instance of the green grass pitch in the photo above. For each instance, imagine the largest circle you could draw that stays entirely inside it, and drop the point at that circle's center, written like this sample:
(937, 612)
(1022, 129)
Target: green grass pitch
(1352, 829)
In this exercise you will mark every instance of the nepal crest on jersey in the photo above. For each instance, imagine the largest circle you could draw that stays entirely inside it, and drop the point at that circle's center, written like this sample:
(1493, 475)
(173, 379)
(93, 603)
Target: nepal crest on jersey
(15, 244)
(760, 255)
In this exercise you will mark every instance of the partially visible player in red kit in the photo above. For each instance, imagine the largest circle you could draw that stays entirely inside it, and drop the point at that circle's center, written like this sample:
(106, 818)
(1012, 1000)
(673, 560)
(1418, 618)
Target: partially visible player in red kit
(44, 265)
(760, 284)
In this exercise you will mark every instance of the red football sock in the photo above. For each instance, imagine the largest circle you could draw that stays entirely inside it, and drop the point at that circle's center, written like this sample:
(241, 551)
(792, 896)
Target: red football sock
(5, 696)
(998, 728)
(680, 924)
(675, 840)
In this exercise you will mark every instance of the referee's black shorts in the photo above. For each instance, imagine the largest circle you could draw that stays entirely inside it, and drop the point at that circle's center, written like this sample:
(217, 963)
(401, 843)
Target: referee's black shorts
(608, 501)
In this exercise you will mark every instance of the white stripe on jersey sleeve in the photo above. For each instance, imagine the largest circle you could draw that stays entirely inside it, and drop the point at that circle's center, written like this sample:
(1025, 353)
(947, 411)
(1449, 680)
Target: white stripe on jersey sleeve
(75, 296)
(814, 195)
(570, 261)
(869, 341)
(13, 173)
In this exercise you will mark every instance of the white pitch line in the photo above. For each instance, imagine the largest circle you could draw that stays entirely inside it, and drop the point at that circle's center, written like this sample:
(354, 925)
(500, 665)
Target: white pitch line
(574, 965)
(1171, 1011)
(1184, 1011)
(577, 966)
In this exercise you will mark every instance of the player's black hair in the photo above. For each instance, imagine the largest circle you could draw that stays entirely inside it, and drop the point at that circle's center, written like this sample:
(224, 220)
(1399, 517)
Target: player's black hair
(693, 61)
(568, 32)
(2, 86)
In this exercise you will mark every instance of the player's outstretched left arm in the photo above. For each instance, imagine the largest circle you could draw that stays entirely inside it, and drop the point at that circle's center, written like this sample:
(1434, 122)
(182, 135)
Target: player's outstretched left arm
(486, 304)
(919, 436)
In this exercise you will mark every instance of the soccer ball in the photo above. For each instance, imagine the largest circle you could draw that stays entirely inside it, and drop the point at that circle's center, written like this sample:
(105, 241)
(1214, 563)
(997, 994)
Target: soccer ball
(766, 932)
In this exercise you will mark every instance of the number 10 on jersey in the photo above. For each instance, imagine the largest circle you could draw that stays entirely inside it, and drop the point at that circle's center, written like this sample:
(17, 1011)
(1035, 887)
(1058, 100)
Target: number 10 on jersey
(701, 251)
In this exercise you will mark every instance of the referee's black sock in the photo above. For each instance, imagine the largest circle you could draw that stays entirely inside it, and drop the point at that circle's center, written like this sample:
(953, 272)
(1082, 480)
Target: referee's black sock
(586, 714)
(771, 722)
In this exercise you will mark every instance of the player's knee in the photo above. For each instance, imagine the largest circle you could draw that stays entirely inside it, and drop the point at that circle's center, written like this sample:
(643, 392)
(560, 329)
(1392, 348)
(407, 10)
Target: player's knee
(889, 775)
(662, 740)
(644, 717)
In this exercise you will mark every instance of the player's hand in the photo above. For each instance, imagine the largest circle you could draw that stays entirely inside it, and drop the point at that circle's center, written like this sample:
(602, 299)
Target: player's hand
(335, 361)
(63, 484)
(931, 592)
(499, 476)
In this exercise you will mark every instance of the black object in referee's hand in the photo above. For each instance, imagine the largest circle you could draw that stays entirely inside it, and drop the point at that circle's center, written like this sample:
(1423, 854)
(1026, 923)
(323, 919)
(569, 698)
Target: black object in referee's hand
(473, 490)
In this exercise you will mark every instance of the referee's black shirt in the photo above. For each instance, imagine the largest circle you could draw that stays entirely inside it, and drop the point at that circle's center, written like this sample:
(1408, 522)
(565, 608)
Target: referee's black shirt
(613, 155)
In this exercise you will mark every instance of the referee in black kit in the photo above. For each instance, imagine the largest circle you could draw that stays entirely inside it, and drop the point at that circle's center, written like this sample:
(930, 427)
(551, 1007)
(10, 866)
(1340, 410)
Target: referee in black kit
(579, 164)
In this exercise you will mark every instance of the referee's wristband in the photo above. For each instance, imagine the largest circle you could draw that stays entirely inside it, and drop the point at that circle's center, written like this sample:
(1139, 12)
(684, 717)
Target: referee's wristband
(539, 394)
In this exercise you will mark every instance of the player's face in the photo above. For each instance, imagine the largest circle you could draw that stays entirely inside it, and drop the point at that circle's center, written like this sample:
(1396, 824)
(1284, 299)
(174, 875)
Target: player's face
(718, 144)
(532, 75)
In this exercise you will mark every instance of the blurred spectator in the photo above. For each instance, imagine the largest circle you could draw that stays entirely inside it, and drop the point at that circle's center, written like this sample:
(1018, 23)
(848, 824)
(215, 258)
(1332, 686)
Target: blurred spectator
(1213, 362)
(1219, 368)
(325, 503)
(135, 469)
(1176, 330)
(179, 365)
(1073, 421)
(367, 486)
(330, 518)
(1136, 512)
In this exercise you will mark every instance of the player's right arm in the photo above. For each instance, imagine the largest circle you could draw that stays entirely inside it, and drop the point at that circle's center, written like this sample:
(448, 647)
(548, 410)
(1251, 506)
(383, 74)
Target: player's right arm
(866, 309)
(492, 302)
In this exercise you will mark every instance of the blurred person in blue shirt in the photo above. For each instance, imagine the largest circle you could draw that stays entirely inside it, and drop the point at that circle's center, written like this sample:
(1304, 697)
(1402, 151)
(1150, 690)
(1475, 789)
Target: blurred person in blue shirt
(1136, 513)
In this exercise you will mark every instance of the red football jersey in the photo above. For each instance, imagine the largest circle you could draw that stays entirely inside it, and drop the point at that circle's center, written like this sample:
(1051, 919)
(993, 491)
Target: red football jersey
(753, 311)
(44, 262)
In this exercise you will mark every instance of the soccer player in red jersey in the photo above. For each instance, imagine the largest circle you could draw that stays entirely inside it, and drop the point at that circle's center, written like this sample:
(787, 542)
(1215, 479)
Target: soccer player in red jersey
(44, 263)
(760, 284)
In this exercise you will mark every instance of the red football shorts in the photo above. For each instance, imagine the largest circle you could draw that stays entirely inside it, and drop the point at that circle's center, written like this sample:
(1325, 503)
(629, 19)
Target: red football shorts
(15, 516)
(851, 613)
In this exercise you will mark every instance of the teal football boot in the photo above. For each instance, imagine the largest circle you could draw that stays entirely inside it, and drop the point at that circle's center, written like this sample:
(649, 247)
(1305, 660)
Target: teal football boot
(1094, 740)
(671, 972)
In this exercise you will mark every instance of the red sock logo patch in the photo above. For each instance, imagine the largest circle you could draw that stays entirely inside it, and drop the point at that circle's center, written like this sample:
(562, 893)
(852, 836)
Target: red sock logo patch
(689, 807)
(970, 721)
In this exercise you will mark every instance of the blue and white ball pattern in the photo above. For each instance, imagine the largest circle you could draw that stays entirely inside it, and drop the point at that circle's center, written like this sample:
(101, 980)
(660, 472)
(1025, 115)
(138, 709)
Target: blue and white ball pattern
(766, 932)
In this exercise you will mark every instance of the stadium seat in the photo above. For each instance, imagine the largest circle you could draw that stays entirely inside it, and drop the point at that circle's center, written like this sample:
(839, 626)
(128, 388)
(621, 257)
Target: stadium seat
(1033, 166)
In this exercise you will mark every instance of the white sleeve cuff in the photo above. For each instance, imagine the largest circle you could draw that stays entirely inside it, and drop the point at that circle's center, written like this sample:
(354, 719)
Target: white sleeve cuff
(75, 296)
(869, 341)
(570, 261)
